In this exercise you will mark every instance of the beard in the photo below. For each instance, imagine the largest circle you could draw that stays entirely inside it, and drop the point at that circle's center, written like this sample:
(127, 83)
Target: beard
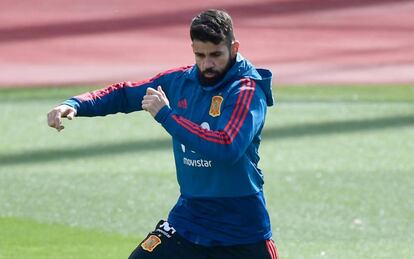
(214, 76)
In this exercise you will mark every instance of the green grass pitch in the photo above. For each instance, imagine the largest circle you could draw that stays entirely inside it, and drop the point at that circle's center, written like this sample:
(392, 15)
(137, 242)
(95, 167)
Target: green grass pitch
(338, 164)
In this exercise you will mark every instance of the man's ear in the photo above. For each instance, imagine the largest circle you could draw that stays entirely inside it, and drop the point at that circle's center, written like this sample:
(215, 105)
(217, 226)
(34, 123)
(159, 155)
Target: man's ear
(235, 48)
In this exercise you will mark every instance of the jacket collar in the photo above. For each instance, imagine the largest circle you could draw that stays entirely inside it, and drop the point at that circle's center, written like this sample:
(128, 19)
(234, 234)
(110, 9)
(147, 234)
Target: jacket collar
(235, 71)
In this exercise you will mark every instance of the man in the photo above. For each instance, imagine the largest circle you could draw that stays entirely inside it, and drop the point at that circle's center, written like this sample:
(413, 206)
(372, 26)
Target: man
(215, 112)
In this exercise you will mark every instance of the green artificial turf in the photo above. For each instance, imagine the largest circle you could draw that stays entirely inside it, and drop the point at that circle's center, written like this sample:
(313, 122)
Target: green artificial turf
(338, 164)
(22, 238)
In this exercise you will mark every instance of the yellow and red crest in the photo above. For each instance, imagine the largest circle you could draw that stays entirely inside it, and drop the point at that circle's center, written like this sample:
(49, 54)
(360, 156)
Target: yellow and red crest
(151, 243)
(215, 108)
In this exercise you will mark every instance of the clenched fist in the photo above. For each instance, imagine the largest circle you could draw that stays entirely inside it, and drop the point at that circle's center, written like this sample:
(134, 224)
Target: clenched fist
(154, 100)
(54, 117)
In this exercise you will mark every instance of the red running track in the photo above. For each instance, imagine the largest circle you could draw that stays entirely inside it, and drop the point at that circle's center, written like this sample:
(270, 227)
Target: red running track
(44, 43)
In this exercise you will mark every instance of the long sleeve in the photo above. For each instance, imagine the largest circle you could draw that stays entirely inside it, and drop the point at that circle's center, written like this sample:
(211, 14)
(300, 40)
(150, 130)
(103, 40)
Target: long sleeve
(122, 97)
(241, 118)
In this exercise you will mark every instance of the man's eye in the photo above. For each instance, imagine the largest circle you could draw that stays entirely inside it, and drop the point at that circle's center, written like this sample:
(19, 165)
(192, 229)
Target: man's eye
(216, 54)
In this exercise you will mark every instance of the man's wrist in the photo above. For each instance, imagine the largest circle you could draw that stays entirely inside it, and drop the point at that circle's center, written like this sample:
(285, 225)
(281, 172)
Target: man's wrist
(73, 103)
(162, 114)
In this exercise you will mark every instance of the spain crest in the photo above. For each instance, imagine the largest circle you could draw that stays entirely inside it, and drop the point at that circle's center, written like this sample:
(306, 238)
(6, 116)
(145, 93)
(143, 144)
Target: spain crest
(215, 108)
(151, 243)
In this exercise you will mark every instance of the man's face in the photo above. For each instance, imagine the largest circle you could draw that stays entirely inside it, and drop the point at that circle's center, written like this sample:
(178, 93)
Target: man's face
(213, 60)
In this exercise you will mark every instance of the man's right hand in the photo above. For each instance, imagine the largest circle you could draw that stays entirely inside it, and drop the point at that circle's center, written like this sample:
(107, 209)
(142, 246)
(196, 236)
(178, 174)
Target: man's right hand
(54, 117)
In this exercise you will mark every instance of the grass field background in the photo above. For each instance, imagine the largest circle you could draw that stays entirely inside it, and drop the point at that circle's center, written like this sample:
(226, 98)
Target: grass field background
(338, 163)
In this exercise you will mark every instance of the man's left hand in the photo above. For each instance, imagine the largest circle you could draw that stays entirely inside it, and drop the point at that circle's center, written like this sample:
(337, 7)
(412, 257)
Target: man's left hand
(154, 100)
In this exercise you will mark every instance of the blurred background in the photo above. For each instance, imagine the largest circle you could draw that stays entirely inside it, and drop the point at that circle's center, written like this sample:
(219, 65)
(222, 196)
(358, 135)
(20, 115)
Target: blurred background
(303, 42)
(337, 148)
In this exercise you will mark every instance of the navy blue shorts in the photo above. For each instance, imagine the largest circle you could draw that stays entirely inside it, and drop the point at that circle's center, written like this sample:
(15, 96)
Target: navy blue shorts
(164, 242)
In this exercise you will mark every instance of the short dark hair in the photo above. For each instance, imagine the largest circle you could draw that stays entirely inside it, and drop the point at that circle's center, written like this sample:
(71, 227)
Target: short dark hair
(212, 26)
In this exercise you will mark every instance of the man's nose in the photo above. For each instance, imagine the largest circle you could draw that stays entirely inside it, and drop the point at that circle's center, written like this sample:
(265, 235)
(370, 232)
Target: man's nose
(208, 63)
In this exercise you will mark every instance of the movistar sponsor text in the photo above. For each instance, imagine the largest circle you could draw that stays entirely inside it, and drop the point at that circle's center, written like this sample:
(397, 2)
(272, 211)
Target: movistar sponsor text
(197, 162)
